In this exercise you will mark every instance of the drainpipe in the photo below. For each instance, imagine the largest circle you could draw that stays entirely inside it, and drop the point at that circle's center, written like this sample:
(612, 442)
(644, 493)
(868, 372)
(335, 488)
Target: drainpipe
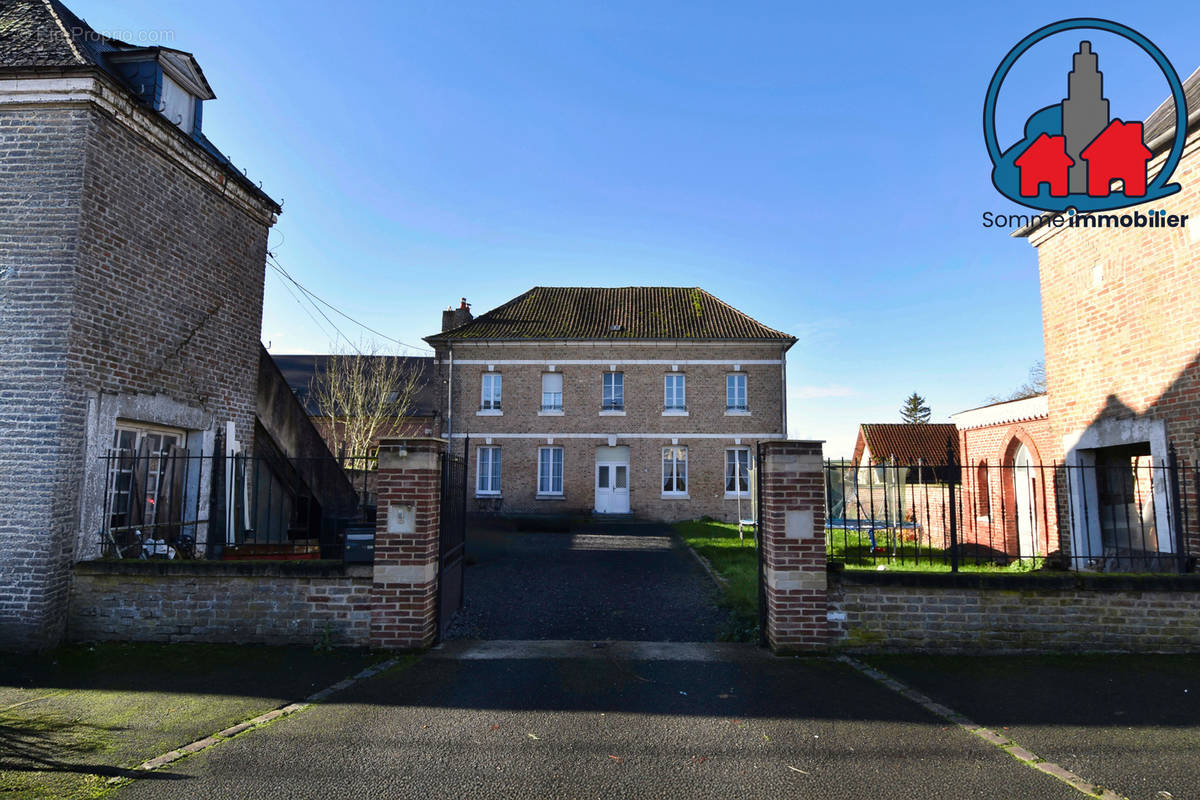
(450, 396)
(783, 389)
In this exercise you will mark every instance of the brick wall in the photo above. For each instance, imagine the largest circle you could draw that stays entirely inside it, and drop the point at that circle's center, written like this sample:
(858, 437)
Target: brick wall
(706, 431)
(407, 540)
(1001, 613)
(129, 279)
(41, 178)
(793, 541)
(207, 601)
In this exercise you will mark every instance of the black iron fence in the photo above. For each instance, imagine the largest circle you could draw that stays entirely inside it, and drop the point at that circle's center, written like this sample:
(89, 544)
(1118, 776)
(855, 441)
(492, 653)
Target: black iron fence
(1120, 512)
(173, 504)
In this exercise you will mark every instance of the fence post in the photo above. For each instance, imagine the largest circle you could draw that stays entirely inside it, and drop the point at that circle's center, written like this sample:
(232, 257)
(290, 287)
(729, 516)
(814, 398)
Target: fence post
(1176, 507)
(950, 473)
(793, 581)
(407, 532)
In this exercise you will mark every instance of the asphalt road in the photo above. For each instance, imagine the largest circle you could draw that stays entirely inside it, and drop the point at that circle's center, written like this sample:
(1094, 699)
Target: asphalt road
(637, 583)
(1131, 723)
(584, 722)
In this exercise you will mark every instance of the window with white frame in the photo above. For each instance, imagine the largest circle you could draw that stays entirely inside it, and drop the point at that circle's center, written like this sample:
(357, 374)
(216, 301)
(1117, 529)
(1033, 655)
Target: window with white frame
(490, 391)
(487, 471)
(142, 483)
(552, 391)
(674, 471)
(614, 391)
(737, 471)
(735, 392)
(550, 470)
(674, 398)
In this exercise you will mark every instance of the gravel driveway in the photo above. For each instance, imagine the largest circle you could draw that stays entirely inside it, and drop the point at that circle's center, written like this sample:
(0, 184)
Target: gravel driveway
(636, 584)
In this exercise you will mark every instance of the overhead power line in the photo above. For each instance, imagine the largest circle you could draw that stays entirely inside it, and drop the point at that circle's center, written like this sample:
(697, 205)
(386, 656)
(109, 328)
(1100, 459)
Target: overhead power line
(313, 299)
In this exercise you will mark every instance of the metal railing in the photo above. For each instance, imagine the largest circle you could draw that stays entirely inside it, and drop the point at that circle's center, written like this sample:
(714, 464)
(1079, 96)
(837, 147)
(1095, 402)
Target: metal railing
(175, 505)
(1128, 513)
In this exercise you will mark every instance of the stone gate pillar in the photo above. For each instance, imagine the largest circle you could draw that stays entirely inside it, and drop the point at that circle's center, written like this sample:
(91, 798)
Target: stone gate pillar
(407, 529)
(793, 537)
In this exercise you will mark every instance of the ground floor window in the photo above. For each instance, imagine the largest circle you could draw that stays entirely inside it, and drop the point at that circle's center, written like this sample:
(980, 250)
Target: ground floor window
(674, 470)
(487, 471)
(1125, 499)
(145, 476)
(737, 470)
(550, 470)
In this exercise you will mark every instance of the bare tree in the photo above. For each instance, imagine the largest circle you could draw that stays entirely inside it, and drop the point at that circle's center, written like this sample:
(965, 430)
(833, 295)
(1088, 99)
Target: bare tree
(1034, 386)
(362, 396)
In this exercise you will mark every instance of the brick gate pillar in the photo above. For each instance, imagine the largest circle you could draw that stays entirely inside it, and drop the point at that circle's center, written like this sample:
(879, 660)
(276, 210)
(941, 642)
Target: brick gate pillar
(407, 530)
(793, 537)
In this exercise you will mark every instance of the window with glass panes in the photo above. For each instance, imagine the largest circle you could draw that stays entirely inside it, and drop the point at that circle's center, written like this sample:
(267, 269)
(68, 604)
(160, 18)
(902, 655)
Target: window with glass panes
(674, 393)
(490, 391)
(552, 391)
(737, 470)
(674, 470)
(735, 392)
(614, 391)
(550, 470)
(137, 470)
(487, 471)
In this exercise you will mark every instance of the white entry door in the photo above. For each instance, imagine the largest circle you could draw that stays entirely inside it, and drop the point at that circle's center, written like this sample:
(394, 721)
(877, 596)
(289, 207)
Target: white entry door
(1025, 494)
(612, 487)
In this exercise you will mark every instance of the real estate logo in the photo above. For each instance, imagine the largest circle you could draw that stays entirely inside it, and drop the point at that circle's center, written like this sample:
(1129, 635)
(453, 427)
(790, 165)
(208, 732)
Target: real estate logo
(1074, 156)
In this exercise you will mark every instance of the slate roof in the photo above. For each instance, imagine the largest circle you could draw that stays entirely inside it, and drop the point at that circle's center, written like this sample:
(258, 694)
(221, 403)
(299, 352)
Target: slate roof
(45, 35)
(1163, 118)
(907, 442)
(299, 370)
(627, 312)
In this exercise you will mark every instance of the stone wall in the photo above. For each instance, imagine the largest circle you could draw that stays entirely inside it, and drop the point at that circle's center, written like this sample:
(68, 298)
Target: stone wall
(211, 601)
(964, 613)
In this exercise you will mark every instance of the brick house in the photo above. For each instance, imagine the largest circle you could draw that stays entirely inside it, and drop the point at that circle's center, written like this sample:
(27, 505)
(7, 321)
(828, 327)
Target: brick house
(1009, 504)
(132, 261)
(1120, 308)
(633, 400)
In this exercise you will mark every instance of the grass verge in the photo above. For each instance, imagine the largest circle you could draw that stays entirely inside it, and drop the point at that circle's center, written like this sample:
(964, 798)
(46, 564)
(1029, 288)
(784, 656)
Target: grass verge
(74, 717)
(734, 560)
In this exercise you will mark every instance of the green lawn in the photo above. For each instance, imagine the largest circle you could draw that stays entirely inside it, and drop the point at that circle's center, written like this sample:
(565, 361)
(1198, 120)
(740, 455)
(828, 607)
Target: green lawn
(853, 548)
(74, 717)
(737, 563)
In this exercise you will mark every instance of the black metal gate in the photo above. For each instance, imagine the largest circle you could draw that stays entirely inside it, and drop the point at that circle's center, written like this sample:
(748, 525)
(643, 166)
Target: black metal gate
(452, 542)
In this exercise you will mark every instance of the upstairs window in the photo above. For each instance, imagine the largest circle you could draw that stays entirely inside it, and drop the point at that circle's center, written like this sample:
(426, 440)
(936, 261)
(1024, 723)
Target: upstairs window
(614, 391)
(552, 391)
(490, 391)
(735, 392)
(178, 106)
(673, 393)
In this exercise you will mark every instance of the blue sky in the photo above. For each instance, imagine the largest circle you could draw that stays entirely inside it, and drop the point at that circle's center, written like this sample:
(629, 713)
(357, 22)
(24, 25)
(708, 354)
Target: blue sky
(820, 170)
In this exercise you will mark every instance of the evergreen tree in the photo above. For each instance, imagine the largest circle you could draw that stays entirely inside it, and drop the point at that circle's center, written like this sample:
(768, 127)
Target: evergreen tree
(914, 411)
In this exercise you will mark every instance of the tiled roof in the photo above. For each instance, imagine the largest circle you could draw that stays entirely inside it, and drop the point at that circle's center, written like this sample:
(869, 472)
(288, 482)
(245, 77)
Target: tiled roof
(628, 312)
(907, 442)
(298, 371)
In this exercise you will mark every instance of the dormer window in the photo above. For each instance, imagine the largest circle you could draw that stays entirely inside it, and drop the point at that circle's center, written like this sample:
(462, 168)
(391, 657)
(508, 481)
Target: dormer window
(168, 80)
(177, 105)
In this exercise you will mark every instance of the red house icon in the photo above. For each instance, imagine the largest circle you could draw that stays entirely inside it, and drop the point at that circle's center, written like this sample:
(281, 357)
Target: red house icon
(1118, 153)
(1045, 161)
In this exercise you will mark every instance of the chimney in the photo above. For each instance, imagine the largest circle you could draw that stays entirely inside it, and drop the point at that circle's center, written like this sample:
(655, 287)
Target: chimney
(454, 317)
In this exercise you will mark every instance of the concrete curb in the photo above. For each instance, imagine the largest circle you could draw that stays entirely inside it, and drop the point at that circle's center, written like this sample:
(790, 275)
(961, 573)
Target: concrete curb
(991, 737)
(703, 562)
(250, 724)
